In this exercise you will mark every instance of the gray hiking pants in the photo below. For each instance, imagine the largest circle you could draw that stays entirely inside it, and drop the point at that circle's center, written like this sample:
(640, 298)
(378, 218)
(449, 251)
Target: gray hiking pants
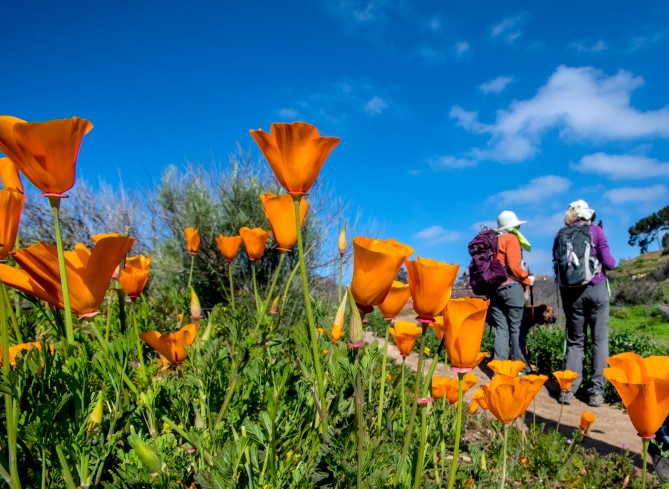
(506, 312)
(587, 307)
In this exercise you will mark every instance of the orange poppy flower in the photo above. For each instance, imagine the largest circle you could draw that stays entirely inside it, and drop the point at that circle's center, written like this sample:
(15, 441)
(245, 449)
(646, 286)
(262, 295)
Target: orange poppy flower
(280, 212)
(565, 378)
(171, 345)
(135, 275)
(229, 246)
(22, 347)
(397, 297)
(431, 283)
(405, 334)
(438, 326)
(449, 386)
(88, 272)
(643, 385)
(506, 367)
(296, 153)
(254, 241)
(45, 152)
(587, 418)
(464, 323)
(192, 240)
(535, 382)
(375, 265)
(507, 397)
(478, 401)
(11, 206)
(10, 175)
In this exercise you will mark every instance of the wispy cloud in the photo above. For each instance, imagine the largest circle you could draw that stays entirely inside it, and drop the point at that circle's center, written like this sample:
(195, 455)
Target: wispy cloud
(496, 85)
(536, 191)
(461, 48)
(641, 42)
(444, 162)
(583, 104)
(436, 235)
(376, 105)
(290, 113)
(509, 29)
(643, 195)
(622, 167)
(589, 47)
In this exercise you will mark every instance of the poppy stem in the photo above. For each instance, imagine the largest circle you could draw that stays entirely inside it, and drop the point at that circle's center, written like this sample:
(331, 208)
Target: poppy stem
(232, 290)
(190, 274)
(644, 456)
(359, 408)
(341, 266)
(271, 291)
(458, 430)
(383, 383)
(15, 481)
(140, 354)
(404, 420)
(557, 428)
(506, 436)
(69, 327)
(313, 333)
(12, 315)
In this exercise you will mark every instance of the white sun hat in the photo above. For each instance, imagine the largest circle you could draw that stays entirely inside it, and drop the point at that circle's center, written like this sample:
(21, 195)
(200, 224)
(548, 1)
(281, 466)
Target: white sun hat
(582, 209)
(508, 220)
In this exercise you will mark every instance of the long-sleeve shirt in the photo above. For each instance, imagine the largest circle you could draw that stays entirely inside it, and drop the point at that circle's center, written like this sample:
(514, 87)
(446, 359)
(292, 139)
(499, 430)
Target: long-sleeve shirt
(602, 251)
(511, 256)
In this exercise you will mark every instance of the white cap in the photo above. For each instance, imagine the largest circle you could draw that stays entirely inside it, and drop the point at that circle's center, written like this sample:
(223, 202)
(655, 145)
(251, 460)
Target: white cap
(508, 220)
(582, 209)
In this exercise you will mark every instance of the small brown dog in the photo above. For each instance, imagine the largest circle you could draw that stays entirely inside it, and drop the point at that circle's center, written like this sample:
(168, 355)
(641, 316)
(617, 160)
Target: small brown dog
(539, 314)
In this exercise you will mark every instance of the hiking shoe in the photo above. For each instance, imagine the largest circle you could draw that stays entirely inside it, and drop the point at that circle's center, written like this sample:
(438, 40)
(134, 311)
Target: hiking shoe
(596, 400)
(565, 397)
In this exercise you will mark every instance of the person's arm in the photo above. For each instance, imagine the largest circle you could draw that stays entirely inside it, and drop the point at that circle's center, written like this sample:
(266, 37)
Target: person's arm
(514, 257)
(602, 246)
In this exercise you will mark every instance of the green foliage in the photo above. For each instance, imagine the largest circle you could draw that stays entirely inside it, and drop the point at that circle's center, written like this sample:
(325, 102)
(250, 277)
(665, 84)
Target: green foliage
(647, 229)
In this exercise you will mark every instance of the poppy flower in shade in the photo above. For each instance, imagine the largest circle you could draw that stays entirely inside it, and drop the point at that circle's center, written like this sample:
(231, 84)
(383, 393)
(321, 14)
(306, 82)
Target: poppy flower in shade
(11, 206)
(449, 386)
(23, 347)
(587, 418)
(171, 345)
(643, 386)
(254, 241)
(438, 326)
(506, 367)
(430, 282)
(88, 272)
(296, 153)
(405, 334)
(10, 175)
(565, 378)
(478, 401)
(229, 246)
(280, 212)
(397, 297)
(135, 275)
(192, 240)
(464, 322)
(375, 265)
(507, 397)
(45, 152)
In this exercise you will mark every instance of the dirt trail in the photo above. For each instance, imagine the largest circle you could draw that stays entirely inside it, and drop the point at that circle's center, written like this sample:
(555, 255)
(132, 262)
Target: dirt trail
(611, 432)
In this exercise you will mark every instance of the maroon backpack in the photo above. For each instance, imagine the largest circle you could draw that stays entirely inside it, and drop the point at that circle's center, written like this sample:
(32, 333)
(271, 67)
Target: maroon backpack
(485, 272)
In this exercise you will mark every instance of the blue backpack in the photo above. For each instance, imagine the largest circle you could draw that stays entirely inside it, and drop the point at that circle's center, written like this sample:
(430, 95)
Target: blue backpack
(485, 272)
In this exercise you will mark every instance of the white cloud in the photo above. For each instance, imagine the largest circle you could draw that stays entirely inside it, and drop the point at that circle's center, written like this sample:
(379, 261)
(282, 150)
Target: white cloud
(437, 234)
(288, 113)
(640, 42)
(509, 29)
(376, 105)
(596, 47)
(545, 225)
(536, 191)
(434, 24)
(443, 162)
(622, 167)
(461, 48)
(583, 104)
(625, 195)
(496, 85)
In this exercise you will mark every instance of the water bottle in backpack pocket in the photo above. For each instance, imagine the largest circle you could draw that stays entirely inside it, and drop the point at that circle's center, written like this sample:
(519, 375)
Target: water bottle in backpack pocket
(574, 258)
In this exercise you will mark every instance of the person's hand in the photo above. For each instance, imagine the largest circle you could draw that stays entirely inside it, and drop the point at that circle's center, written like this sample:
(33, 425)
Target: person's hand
(531, 277)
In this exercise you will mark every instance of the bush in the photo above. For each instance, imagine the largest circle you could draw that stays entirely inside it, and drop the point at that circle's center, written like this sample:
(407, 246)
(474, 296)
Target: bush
(636, 291)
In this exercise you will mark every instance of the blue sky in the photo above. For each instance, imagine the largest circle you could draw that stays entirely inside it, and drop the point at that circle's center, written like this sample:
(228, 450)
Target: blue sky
(449, 111)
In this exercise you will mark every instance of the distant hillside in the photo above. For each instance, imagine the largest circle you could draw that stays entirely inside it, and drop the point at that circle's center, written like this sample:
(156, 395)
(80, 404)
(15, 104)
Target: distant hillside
(653, 264)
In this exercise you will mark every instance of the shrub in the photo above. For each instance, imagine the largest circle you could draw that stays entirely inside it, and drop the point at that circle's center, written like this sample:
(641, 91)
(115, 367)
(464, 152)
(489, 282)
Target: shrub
(636, 291)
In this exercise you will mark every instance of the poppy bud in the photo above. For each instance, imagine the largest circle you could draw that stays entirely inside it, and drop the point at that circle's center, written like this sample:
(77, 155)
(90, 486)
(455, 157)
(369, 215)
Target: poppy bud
(144, 452)
(275, 306)
(95, 418)
(195, 309)
(342, 240)
(355, 334)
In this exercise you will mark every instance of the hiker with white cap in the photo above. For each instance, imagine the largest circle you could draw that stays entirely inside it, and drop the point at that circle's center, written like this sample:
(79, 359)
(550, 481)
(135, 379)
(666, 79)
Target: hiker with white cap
(581, 253)
(508, 300)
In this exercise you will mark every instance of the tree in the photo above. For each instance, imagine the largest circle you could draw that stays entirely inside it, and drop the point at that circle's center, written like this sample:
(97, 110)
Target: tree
(648, 229)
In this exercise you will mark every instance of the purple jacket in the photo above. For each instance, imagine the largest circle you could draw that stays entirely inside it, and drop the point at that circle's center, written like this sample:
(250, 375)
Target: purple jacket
(601, 249)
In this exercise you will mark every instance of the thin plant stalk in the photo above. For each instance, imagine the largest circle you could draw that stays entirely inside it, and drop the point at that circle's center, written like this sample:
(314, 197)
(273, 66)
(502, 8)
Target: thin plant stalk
(255, 284)
(12, 315)
(232, 290)
(414, 407)
(271, 291)
(443, 441)
(341, 266)
(359, 407)
(383, 382)
(190, 274)
(108, 325)
(313, 333)
(506, 436)
(557, 428)
(644, 456)
(404, 420)
(418, 476)
(458, 430)
(139, 342)
(67, 307)
(9, 402)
